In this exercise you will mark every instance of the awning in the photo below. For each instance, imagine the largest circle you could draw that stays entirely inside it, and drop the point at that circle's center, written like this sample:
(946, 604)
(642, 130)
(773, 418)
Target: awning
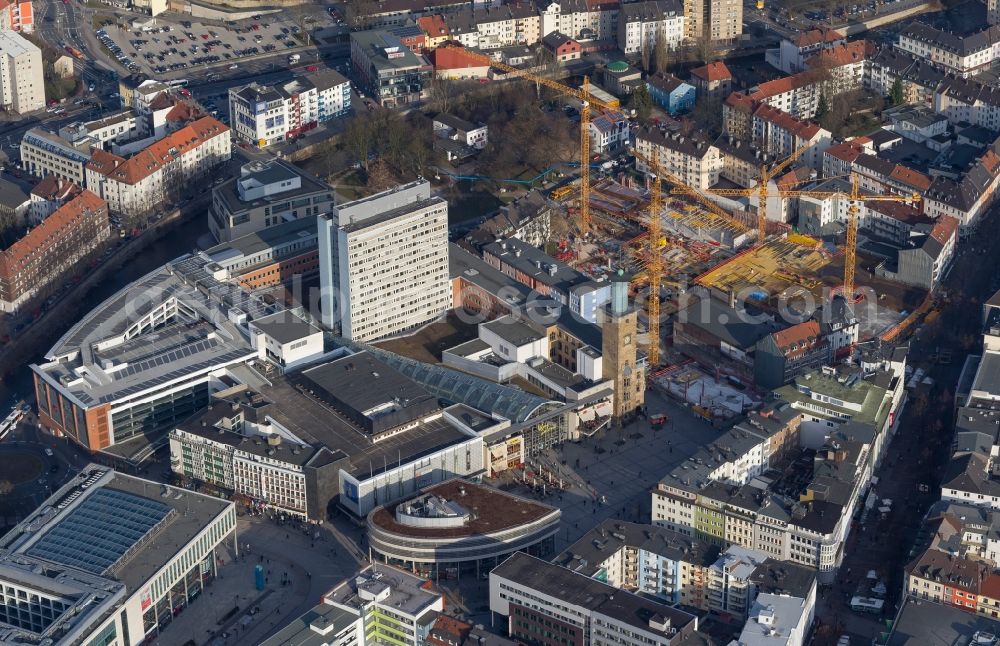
(604, 409)
(588, 414)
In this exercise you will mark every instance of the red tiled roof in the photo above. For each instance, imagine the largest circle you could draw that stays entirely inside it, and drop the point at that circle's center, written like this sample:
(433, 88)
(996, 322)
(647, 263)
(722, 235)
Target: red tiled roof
(454, 58)
(740, 101)
(990, 161)
(785, 121)
(716, 71)
(48, 231)
(55, 188)
(905, 213)
(847, 151)
(991, 586)
(434, 26)
(842, 54)
(944, 229)
(779, 86)
(182, 112)
(910, 177)
(818, 35)
(793, 178)
(148, 161)
(103, 162)
(788, 339)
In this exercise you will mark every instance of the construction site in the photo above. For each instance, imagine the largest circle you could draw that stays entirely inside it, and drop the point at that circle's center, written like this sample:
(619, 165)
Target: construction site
(734, 244)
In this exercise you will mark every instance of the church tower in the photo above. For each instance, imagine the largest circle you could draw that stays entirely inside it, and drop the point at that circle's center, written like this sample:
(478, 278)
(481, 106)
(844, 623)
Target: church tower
(619, 351)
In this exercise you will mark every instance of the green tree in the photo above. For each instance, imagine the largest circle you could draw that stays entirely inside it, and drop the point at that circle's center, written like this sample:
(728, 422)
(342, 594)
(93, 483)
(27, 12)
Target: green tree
(822, 107)
(642, 102)
(897, 93)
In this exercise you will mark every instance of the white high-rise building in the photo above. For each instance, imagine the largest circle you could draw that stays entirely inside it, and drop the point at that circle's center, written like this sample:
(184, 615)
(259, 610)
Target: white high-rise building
(384, 263)
(22, 84)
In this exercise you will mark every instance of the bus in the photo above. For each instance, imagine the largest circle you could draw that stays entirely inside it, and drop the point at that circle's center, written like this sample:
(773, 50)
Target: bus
(178, 83)
(10, 421)
(864, 604)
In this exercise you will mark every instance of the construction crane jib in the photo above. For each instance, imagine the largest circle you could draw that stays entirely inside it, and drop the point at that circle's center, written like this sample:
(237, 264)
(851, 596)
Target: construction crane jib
(588, 102)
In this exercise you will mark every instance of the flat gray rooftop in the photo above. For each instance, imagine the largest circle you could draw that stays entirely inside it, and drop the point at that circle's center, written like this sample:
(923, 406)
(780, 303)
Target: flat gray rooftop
(580, 590)
(135, 356)
(180, 515)
(302, 631)
(406, 591)
(269, 238)
(317, 424)
(924, 623)
(285, 327)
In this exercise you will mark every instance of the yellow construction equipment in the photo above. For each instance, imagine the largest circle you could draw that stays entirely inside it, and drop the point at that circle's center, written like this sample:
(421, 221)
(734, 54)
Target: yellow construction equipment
(761, 190)
(654, 266)
(684, 189)
(583, 94)
(851, 245)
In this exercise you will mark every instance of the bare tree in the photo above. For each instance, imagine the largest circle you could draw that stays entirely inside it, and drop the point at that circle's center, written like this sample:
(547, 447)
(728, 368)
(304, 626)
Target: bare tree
(661, 52)
(359, 139)
(380, 178)
(647, 54)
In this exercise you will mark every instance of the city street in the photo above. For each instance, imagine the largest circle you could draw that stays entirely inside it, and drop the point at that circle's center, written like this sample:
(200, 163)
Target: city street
(922, 446)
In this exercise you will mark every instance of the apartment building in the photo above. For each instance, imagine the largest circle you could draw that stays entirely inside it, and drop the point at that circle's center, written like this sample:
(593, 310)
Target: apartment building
(52, 248)
(792, 54)
(539, 599)
(679, 569)
(713, 21)
(961, 55)
(697, 163)
(609, 132)
(641, 23)
(595, 21)
(969, 101)
(266, 194)
(266, 115)
(925, 258)
(780, 134)
(810, 526)
(22, 83)
(384, 262)
(47, 196)
(378, 604)
(269, 257)
(941, 577)
(117, 127)
(781, 356)
(45, 153)
(544, 274)
(387, 70)
(161, 171)
(967, 197)
(17, 15)
(918, 77)
(713, 80)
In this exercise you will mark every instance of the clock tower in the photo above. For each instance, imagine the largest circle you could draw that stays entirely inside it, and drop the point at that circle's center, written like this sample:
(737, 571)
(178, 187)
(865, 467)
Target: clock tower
(619, 351)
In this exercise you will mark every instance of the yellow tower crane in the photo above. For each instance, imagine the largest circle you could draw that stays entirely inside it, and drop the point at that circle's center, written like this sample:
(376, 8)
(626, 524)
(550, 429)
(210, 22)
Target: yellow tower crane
(587, 101)
(851, 244)
(761, 190)
(654, 266)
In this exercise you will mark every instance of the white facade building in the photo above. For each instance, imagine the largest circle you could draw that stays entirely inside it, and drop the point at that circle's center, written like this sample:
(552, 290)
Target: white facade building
(641, 23)
(384, 263)
(264, 115)
(22, 83)
(144, 181)
(106, 586)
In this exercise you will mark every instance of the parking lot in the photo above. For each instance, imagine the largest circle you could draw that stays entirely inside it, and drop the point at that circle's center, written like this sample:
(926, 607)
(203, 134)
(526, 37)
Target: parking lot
(168, 47)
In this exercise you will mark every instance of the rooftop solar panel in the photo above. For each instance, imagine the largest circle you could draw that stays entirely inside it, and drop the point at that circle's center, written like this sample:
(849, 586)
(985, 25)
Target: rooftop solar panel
(95, 535)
